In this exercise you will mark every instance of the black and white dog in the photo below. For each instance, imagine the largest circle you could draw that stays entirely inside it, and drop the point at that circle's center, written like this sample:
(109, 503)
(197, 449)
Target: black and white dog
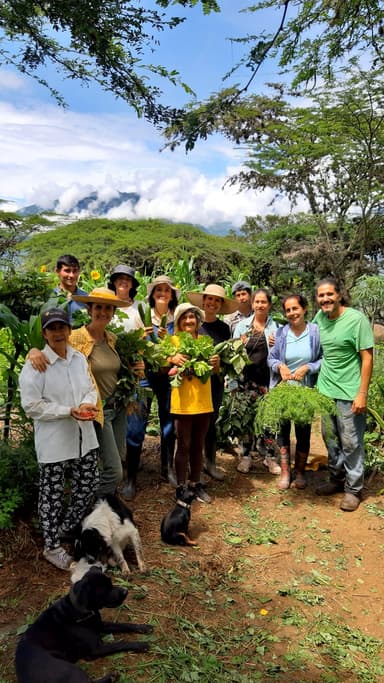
(71, 629)
(174, 526)
(106, 531)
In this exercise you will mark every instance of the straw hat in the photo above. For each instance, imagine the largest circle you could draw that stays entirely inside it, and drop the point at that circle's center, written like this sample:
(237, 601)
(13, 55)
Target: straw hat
(162, 280)
(228, 305)
(183, 308)
(101, 295)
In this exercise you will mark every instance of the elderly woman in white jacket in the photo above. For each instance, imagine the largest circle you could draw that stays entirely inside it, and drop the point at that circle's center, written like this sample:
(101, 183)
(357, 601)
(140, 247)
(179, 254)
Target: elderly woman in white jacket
(62, 404)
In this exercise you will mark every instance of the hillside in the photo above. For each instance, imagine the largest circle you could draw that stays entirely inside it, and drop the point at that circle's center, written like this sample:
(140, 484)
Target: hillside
(146, 244)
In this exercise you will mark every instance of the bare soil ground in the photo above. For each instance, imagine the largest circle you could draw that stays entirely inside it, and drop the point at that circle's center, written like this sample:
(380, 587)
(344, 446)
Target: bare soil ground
(282, 586)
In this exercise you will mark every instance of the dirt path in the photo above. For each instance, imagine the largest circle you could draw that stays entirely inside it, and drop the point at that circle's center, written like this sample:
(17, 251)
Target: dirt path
(283, 585)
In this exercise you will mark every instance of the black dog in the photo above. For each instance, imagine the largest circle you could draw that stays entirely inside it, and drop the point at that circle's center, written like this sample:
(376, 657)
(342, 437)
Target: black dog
(106, 531)
(174, 526)
(70, 630)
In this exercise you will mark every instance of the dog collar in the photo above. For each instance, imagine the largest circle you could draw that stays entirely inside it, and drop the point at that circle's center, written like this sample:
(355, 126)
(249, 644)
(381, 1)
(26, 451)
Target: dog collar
(182, 504)
(83, 614)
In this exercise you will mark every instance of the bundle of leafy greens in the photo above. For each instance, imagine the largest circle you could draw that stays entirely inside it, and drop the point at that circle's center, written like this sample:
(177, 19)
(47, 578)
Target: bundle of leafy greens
(199, 351)
(233, 357)
(132, 347)
(236, 416)
(291, 402)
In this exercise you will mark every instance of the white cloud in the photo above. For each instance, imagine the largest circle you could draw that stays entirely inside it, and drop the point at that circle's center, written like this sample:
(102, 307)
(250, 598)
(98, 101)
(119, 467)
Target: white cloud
(49, 154)
(10, 80)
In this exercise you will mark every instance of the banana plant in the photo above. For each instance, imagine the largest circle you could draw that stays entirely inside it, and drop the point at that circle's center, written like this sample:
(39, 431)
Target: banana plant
(19, 336)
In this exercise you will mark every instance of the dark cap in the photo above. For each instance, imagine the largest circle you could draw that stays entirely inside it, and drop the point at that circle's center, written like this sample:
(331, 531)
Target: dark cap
(54, 315)
(240, 286)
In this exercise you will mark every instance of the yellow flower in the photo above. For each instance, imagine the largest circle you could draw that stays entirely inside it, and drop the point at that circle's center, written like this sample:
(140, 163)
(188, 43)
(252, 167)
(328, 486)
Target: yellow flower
(43, 269)
(263, 612)
(95, 275)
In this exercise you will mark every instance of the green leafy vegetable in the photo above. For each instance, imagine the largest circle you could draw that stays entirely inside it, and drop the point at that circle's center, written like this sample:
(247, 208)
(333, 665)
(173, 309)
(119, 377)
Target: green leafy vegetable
(233, 357)
(291, 402)
(146, 318)
(132, 347)
(199, 351)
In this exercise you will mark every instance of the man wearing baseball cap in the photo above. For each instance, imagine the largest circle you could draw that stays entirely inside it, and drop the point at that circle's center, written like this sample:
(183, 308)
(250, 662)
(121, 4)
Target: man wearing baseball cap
(241, 291)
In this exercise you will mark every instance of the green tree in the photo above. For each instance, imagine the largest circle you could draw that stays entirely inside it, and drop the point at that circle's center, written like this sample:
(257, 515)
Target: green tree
(14, 229)
(309, 40)
(368, 294)
(329, 152)
(148, 245)
(100, 40)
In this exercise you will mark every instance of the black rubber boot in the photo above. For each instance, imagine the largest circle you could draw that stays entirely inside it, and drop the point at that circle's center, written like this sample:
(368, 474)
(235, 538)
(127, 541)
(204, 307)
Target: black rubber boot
(132, 465)
(210, 459)
(167, 447)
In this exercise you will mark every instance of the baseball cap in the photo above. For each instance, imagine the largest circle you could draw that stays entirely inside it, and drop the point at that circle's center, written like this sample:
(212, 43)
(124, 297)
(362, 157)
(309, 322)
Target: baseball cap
(54, 315)
(240, 286)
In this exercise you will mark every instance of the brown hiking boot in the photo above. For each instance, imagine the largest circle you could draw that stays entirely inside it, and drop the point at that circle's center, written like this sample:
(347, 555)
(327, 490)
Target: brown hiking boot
(329, 488)
(350, 502)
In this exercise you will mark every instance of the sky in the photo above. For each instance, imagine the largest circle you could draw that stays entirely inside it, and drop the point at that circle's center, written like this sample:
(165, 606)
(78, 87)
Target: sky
(98, 144)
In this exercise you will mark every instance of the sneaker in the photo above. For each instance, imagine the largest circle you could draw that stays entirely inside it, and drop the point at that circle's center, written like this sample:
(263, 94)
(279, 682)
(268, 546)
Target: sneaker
(201, 494)
(261, 446)
(272, 465)
(58, 557)
(245, 464)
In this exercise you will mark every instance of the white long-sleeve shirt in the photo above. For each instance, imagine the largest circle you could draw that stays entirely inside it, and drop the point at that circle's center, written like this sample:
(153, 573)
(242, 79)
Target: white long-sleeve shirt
(47, 397)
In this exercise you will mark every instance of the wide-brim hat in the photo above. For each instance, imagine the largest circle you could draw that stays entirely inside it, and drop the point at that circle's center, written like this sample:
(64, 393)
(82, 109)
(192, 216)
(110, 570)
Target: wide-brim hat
(101, 295)
(183, 308)
(162, 280)
(121, 269)
(228, 305)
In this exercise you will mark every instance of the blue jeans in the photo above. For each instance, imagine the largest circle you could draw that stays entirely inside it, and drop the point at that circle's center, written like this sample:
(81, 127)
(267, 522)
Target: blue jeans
(137, 425)
(343, 435)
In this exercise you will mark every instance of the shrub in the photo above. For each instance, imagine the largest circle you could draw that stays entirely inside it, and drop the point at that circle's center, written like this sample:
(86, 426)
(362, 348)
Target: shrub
(18, 480)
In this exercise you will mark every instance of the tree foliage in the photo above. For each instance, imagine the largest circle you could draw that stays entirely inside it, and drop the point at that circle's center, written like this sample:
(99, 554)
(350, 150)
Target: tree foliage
(14, 229)
(368, 295)
(328, 151)
(311, 40)
(145, 244)
(99, 40)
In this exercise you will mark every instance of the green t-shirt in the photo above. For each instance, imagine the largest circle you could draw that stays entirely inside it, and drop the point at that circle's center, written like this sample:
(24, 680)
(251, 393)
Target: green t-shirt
(342, 339)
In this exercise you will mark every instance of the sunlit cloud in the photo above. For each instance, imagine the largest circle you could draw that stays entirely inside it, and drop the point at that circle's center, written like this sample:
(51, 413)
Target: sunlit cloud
(52, 155)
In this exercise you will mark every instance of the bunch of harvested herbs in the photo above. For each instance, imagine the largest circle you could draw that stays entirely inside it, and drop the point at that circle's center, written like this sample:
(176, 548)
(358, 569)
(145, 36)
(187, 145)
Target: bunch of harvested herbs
(233, 357)
(199, 351)
(236, 416)
(291, 402)
(132, 347)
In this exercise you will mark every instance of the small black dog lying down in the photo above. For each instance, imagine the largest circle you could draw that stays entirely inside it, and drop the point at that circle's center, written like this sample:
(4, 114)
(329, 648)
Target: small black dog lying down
(70, 630)
(106, 531)
(174, 526)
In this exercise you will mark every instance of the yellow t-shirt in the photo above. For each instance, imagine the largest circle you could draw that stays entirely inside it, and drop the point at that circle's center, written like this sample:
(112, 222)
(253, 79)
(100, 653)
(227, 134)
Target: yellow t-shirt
(192, 397)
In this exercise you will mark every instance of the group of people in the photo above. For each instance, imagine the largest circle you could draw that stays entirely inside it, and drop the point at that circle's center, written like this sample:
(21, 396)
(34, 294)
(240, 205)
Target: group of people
(80, 432)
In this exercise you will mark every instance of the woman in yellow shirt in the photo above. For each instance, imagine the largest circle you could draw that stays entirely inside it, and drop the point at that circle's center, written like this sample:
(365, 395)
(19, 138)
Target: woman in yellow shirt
(191, 405)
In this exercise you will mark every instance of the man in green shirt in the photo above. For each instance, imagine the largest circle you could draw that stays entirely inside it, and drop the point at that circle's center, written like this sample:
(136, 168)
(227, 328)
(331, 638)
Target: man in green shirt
(347, 341)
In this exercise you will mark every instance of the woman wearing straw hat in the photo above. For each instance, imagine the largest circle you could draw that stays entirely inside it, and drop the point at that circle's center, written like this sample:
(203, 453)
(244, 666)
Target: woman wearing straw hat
(98, 346)
(213, 301)
(191, 406)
